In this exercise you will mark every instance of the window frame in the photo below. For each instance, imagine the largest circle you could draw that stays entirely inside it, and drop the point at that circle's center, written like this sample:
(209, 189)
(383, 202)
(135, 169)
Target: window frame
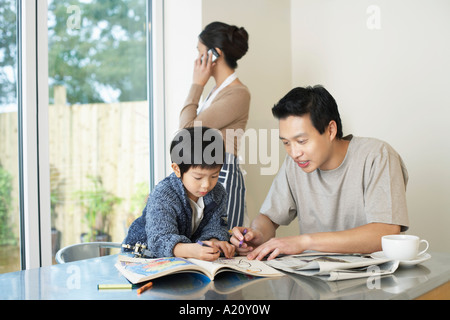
(35, 235)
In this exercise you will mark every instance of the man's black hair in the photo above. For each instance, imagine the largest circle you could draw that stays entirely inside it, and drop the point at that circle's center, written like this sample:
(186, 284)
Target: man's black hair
(315, 101)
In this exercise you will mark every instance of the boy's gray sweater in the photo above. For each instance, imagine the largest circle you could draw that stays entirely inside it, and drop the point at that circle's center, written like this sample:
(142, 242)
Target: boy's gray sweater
(166, 219)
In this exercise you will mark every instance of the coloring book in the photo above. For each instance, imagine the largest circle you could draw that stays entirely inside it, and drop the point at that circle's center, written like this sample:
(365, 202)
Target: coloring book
(138, 270)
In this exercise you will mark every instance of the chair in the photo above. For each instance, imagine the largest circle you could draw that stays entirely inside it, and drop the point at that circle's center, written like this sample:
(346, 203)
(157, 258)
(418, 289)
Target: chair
(85, 250)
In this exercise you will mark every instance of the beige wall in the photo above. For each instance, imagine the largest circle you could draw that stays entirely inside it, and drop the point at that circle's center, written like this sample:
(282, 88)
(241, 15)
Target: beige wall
(385, 62)
(182, 24)
(390, 83)
(266, 70)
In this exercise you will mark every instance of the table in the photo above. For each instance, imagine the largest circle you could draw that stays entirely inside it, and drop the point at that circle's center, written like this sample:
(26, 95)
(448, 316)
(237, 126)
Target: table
(79, 280)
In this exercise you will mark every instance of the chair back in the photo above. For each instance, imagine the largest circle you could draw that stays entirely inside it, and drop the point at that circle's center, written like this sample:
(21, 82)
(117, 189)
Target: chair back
(85, 250)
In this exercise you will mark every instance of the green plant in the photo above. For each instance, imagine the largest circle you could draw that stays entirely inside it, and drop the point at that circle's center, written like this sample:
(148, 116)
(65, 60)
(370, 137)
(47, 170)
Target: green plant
(139, 198)
(138, 202)
(6, 233)
(98, 205)
(56, 189)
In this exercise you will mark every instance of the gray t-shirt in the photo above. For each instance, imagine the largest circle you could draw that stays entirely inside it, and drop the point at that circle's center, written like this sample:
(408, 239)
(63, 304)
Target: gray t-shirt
(369, 186)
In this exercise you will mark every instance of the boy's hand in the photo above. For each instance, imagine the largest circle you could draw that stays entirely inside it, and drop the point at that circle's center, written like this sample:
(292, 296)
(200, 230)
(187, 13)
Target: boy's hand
(207, 251)
(204, 250)
(227, 248)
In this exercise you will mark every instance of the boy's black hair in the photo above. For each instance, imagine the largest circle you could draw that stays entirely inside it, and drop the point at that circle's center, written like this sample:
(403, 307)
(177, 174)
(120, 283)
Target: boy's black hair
(315, 101)
(197, 147)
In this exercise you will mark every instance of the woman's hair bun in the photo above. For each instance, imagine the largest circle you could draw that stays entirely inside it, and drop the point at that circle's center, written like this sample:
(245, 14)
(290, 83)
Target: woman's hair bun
(239, 38)
(232, 40)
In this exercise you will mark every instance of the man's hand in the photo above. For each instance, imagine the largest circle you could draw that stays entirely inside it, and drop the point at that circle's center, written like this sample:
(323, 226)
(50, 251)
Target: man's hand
(277, 246)
(245, 243)
(362, 239)
(261, 230)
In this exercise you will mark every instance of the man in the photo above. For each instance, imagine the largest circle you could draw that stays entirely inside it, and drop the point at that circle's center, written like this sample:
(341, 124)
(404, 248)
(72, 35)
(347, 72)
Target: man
(347, 192)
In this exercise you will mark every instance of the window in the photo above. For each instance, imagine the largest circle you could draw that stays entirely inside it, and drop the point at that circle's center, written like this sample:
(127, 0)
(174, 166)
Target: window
(77, 135)
(98, 118)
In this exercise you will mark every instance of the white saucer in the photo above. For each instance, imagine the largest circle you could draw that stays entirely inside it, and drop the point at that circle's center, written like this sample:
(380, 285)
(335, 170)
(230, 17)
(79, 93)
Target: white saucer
(419, 259)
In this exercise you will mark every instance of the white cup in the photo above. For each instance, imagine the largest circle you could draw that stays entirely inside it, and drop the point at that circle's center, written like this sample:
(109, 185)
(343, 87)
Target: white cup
(402, 247)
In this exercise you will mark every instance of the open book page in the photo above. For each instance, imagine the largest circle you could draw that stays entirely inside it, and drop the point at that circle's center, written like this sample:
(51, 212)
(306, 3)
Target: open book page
(333, 266)
(239, 264)
(138, 270)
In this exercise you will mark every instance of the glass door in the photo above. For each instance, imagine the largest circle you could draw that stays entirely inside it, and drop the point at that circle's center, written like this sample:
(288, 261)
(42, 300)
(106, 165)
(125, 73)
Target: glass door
(98, 118)
(10, 258)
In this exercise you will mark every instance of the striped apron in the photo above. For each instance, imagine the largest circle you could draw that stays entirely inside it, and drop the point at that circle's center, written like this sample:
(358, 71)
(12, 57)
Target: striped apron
(232, 179)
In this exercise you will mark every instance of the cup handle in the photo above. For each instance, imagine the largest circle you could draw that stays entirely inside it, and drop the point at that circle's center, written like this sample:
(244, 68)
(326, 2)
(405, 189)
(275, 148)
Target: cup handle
(423, 251)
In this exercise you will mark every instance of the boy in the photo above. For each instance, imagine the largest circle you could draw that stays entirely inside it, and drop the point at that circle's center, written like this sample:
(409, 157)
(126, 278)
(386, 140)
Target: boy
(185, 215)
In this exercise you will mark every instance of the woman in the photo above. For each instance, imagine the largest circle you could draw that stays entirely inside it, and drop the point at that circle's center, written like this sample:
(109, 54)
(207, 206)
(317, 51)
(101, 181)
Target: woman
(226, 108)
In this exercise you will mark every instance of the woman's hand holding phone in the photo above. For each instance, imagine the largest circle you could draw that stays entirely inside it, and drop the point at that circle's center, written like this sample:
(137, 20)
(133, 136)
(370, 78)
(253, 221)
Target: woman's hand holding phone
(203, 68)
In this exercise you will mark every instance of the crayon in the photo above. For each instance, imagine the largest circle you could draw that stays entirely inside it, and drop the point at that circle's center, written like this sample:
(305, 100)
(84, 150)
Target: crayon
(204, 245)
(145, 287)
(242, 241)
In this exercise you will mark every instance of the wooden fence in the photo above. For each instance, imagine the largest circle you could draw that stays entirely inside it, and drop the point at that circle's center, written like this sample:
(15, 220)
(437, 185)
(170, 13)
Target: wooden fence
(109, 141)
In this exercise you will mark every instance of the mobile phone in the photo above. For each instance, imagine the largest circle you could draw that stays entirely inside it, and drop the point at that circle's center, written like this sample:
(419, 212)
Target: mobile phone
(215, 54)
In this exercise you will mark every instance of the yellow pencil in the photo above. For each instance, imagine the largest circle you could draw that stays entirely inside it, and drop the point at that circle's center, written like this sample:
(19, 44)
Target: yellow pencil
(120, 286)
